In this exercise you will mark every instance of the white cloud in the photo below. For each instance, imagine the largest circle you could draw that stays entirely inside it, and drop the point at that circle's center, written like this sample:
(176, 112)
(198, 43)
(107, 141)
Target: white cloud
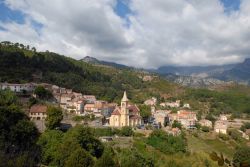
(179, 32)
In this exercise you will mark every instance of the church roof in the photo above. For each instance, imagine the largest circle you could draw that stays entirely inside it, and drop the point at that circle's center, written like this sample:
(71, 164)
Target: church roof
(125, 98)
(116, 111)
(133, 108)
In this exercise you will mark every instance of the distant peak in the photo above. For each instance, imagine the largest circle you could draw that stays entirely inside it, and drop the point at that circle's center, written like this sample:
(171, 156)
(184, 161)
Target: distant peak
(90, 59)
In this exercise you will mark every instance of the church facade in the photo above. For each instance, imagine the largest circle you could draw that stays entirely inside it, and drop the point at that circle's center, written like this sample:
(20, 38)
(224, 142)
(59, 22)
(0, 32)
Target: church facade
(125, 115)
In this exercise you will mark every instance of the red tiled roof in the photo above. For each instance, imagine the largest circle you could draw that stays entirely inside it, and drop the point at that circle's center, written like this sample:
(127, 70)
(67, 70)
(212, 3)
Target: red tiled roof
(133, 108)
(116, 112)
(38, 108)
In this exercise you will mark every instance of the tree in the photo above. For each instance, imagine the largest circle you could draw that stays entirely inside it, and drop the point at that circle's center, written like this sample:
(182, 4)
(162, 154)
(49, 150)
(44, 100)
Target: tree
(241, 157)
(42, 93)
(7, 98)
(18, 135)
(107, 159)
(205, 129)
(79, 158)
(245, 126)
(49, 142)
(126, 131)
(85, 138)
(54, 117)
(176, 124)
(145, 112)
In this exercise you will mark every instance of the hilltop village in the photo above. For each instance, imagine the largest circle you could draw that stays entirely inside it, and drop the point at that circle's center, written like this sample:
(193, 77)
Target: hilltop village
(171, 116)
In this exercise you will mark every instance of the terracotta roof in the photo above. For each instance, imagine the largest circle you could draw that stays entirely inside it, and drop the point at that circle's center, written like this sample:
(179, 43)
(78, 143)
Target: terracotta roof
(133, 108)
(89, 105)
(38, 108)
(116, 111)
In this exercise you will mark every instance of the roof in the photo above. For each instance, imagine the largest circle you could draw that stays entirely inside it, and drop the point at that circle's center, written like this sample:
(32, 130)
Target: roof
(38, 108)
(89, 105)
(133, 108)
(116, 111)
(89, 96)
(125, 98)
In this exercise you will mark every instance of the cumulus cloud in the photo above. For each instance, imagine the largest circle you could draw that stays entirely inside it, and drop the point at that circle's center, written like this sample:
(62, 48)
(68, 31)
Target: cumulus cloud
(160, 32)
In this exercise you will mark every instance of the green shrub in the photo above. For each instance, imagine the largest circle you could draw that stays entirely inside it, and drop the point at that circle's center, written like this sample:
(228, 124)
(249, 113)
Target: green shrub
(205, 129)
(126, 131)
(167, 143)
(223, 136)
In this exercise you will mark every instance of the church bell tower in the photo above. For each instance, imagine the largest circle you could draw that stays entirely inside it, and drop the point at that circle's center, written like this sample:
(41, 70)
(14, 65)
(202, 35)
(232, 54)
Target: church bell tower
(124, 110)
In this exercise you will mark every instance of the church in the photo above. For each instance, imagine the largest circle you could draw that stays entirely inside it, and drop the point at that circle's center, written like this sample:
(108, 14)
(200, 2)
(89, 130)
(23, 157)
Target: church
(125, 115)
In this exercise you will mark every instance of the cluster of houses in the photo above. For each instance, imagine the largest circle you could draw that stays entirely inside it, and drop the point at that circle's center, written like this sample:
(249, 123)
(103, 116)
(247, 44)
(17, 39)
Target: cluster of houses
(127, 114)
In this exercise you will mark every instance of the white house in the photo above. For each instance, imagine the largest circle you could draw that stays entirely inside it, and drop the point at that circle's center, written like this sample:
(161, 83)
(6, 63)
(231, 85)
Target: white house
(221, 127)
(18, 88)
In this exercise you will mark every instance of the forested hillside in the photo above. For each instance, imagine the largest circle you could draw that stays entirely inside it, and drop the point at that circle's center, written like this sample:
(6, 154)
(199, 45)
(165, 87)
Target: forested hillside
(19, 65)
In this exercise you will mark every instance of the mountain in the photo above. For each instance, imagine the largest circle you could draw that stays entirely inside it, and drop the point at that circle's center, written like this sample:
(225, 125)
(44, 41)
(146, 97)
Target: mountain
(240, 73)
(95, 61)
(20, 65)
(198, 71)
(196, 82)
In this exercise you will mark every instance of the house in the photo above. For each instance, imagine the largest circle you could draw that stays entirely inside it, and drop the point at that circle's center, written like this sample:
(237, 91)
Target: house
(18, 88)
(223, 117)
(38, 112)
(147, 78)
(160, 117)
(186, 105)
(126, 114)
(151, 102)
(66, 100)
(89, 107)
(188, 119)
(220, 126)
(78, 105)
(205, 122)
(244, 135)
(153, 109)
(175, 104)
(89, 98)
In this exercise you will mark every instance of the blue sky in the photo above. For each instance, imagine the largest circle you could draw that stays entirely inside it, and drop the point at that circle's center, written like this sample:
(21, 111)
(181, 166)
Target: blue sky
(10, 15)
(121, 9)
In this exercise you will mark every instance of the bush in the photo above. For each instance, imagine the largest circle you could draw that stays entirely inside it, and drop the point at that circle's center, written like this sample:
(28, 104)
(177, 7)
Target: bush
(43, 93)
(167, 143)
(223, 136)
(245, 126)
(242, 157)
(176, 124)
(205, 129)
(126, 131)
